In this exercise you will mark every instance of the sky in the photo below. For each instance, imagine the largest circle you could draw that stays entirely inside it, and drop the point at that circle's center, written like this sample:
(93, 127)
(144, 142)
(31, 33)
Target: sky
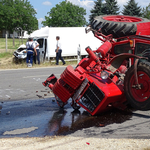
(42, 7)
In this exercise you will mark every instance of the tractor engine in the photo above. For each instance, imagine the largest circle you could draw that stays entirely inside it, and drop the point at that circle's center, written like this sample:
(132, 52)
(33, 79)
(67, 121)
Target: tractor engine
(90, 85)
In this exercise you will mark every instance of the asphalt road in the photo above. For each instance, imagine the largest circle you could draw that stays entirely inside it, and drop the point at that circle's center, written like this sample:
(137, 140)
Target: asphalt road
(24, 114)
(24, 84)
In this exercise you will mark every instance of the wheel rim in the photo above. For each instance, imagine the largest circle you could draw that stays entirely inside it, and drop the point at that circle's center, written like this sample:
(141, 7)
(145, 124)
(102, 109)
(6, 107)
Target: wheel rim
(118, 18)
(142, 94)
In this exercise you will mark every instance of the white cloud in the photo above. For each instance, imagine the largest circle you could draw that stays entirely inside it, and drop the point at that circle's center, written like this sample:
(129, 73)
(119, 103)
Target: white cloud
(83, 3)
(47, 3)
(40, 20)
(86, 4)
(35, 9)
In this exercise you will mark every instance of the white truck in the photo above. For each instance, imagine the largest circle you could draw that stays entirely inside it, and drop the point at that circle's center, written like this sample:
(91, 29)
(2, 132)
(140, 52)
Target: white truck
(72, 40)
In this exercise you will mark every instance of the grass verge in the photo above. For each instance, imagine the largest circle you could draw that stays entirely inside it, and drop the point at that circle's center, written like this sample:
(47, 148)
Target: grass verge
(8, 62)
(5, 55)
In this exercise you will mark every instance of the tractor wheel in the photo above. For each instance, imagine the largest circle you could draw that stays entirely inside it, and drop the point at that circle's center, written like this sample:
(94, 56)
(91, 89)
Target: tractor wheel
(117, 25)
(138, 98)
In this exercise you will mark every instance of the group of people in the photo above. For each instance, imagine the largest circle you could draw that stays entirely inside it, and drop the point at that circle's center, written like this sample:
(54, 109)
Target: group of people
(33, 52)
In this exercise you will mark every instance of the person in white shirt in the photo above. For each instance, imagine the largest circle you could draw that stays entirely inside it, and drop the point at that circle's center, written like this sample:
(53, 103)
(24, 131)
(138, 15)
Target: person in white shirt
(59, 51)
(37, 50)
(30, 50)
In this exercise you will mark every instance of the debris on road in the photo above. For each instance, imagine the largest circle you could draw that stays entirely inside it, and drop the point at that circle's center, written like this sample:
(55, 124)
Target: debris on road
(8, 113)
(39, 96)
(0, 107)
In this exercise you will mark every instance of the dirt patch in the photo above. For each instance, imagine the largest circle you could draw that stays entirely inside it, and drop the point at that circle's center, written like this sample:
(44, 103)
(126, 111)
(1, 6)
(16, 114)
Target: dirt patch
(10, 63)
(6, 61)
(4, 50)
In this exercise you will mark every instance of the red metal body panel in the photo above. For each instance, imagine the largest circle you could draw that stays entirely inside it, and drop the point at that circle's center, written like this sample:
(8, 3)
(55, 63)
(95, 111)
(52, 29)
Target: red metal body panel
(143, 28)
(72, 78)
(113, 93)
(60, 90)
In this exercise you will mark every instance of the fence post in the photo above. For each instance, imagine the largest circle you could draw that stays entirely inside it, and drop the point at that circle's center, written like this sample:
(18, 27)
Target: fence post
(6, 42)
(79, 53)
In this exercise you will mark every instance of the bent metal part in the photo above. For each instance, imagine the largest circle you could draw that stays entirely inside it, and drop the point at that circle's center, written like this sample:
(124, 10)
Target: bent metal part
(114, 75)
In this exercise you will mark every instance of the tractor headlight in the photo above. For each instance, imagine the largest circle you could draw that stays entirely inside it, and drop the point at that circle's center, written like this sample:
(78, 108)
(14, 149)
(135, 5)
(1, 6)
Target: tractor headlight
(104, 74)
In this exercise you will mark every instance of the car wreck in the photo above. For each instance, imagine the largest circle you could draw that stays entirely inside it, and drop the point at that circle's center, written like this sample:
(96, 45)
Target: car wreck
(115, 74)
(21, 52)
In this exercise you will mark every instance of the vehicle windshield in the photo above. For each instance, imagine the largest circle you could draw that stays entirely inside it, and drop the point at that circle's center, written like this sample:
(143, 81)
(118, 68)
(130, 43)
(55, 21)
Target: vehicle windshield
(122, 48)
(142, 49)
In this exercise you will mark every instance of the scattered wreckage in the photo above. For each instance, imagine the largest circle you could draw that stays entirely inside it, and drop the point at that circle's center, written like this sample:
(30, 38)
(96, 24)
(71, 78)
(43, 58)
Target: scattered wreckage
(114, 75)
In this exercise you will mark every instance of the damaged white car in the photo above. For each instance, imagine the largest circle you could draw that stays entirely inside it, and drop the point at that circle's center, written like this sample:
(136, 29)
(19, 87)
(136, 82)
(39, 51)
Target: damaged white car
(21, 52)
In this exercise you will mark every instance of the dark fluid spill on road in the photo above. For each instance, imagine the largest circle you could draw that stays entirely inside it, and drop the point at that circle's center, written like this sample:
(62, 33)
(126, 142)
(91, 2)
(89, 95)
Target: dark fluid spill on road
(50, 120)
(66, 121)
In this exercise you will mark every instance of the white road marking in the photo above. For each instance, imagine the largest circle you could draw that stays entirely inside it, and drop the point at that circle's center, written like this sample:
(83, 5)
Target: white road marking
(38, 79)
(7, 96)
(20, 131)
(38, 76)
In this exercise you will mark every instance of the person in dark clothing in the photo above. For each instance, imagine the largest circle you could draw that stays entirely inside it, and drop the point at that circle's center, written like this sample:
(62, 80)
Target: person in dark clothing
(59, 51)
(37, 50)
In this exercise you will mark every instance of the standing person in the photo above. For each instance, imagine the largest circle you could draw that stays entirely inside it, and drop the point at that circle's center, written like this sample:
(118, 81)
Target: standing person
(59, 51)
(30, 50)
(37, 51)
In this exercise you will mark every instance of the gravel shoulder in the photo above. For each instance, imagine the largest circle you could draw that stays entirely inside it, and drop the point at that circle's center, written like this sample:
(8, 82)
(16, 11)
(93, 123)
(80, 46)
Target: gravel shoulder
(73, 143)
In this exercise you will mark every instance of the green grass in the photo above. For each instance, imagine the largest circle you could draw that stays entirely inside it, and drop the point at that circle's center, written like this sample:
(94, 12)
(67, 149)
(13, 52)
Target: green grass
(10, 46)
(5, 54)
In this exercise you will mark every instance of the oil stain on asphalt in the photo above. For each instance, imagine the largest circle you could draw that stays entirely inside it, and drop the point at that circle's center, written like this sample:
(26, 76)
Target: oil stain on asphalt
(39, 118)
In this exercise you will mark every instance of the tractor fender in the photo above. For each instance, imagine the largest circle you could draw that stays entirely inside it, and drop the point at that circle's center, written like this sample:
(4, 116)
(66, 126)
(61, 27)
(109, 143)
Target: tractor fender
(117, 61)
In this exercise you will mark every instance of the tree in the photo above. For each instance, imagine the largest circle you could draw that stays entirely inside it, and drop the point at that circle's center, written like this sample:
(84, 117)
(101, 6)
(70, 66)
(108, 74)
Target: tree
(110, 7)
(132, 9)
(97, 10)
(65, 14)
(146, 12)
(17, 14)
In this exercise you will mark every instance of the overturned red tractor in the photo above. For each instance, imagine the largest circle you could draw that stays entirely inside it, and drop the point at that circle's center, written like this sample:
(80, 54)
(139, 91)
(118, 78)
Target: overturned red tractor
(114, 75)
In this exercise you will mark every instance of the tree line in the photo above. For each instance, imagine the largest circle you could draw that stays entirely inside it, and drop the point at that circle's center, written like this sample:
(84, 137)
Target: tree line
(66, 14)
(110, 7)
(17, 15)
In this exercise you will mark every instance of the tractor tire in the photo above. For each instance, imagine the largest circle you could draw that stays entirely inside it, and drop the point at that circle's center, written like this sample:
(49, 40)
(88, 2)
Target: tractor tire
(117, 25)
(138, 98)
